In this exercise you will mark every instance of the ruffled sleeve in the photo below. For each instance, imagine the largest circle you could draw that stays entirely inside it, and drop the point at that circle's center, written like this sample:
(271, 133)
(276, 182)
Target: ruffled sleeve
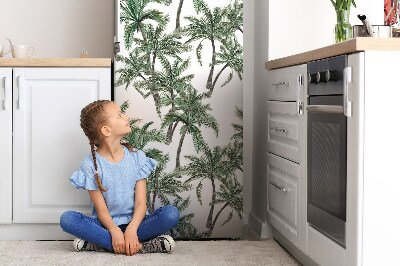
(146, 165)
(84, 177)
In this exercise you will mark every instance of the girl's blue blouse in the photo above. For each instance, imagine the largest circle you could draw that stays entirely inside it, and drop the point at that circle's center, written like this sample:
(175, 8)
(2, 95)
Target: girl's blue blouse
(118, 178)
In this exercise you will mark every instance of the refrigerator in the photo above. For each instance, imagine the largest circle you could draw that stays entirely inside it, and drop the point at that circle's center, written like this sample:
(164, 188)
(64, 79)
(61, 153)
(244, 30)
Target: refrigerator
(178, 74)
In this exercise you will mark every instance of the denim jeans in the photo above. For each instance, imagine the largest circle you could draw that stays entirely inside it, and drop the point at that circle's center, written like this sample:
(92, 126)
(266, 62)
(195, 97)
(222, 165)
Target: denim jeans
(90, 229)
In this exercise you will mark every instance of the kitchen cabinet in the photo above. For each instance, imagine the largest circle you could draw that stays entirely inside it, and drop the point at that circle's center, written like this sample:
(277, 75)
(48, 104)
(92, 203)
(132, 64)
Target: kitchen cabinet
(285, 124)
(42, 144)
(5, 146)
(371, 108)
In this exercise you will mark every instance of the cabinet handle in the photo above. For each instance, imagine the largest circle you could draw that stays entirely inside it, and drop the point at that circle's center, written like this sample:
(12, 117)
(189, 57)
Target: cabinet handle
(5, 93)
(286, 83)
(279, 187)
(335, 109)
(279, 129)
(346, 80)
(20, 88)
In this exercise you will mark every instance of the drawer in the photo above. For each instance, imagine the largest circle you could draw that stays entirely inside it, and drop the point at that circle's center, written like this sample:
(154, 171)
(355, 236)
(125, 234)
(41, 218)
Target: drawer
(283, 196)
(283, 130)
(284, 83)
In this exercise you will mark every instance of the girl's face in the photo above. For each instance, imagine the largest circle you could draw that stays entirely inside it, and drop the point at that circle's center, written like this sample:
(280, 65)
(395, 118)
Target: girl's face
(117, 122)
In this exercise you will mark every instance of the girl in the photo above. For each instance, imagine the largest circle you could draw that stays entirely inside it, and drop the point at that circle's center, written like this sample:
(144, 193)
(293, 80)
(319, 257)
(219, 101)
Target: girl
(115, 176)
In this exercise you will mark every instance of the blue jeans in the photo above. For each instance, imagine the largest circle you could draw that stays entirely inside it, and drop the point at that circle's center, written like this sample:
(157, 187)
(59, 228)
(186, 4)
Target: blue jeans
(90, 229)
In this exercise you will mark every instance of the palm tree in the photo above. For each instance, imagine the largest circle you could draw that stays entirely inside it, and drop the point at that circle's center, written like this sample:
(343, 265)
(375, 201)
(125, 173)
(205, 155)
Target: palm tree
(163, 185)
(210, 166)
(234, 151)
(185, 228)
(192, 113)
(135, 66)
(139, 66)
(234, 15)
(220, 164)
(159, 44)
(159, 185)
(215, 26)
(167, 83)
(134, 13)
(231, 56)
(178, 15)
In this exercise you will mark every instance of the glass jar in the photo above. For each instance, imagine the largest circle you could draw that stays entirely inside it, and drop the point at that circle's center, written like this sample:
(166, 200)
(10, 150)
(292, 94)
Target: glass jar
(343, 30)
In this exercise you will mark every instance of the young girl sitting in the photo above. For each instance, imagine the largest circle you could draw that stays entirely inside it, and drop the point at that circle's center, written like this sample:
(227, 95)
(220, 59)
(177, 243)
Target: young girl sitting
(115, 176)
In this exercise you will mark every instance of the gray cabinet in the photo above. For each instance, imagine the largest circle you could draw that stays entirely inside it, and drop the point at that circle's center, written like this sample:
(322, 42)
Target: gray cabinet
(285, 127)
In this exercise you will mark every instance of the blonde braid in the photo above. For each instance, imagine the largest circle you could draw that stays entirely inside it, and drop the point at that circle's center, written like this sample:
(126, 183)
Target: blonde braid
(92, 118)
(96, 173)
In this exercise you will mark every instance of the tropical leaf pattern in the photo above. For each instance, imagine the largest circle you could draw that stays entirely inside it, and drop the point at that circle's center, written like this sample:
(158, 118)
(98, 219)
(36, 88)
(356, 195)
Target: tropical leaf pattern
(161, 64)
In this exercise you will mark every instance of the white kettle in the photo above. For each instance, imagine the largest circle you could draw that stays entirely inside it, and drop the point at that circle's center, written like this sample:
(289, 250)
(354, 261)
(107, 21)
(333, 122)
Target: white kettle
(2, 53)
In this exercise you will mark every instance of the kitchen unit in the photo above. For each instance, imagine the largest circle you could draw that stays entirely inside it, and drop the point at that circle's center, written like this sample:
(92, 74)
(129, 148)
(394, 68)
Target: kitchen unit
(284, 127)
(41, 141)
(358, 115)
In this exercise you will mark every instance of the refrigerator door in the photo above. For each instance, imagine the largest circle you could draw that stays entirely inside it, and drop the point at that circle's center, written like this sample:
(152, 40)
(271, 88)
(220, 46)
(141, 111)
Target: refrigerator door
(187, 104)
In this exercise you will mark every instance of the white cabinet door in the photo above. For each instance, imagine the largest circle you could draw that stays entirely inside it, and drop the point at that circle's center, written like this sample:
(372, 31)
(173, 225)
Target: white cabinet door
(283, 196)
(283, 130)
(48, 141)
(5, 146)
(284, 83)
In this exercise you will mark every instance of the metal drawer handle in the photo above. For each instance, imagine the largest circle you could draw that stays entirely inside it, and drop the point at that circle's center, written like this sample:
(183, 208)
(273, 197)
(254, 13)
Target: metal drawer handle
(20, 92)
(279, 187)
(284, 83)
(280, 129)
(5, 93)
(335, 109)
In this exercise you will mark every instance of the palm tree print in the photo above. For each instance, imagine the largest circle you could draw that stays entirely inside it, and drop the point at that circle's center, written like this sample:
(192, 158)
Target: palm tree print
(192, 113)
(157, 65)
(135, 13)
(218, 26)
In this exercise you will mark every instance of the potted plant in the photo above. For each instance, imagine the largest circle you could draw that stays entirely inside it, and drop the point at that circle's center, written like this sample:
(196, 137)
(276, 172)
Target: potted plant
(343, 29)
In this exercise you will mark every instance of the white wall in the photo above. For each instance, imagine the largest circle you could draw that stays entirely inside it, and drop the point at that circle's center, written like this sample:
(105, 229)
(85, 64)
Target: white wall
(301, 25)
(60, 28)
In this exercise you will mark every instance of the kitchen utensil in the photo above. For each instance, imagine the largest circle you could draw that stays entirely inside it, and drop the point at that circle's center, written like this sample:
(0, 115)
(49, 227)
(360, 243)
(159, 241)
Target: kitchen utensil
(382, 31)
(2, 53)
(368, 30)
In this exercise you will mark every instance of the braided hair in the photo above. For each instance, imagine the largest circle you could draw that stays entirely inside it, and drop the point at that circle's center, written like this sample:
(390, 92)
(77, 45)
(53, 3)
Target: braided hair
(93, 117)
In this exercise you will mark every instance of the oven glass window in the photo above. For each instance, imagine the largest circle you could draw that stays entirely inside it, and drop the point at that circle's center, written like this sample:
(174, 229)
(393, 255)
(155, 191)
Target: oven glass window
(327, 163)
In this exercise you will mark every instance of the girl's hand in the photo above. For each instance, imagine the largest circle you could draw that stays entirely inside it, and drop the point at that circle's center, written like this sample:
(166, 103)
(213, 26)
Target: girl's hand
(132, 244)
(118, 241)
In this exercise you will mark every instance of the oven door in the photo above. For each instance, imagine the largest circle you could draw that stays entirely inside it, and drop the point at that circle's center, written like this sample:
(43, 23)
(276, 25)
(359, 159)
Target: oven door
(326, 166)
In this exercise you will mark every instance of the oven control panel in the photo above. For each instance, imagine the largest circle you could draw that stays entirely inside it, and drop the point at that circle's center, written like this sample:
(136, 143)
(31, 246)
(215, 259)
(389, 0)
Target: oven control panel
(325, 76)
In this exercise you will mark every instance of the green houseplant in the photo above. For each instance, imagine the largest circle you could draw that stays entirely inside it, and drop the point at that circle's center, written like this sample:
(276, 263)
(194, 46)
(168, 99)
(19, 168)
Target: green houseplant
(343, 29)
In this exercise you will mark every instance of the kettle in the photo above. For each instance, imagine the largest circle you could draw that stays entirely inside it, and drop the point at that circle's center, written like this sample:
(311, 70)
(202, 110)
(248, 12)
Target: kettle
(368, 30)
(2, 46)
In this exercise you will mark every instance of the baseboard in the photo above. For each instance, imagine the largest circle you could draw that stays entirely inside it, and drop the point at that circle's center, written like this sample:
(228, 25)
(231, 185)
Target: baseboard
(33, 232)
(292, 249)
(260, 228)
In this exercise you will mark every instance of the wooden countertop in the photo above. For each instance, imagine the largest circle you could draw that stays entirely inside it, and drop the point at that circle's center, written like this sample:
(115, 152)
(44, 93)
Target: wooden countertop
(348, 47)
(55, 62)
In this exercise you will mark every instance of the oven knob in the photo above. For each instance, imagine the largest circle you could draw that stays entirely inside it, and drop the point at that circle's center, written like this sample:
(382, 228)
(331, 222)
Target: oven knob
(324, 76)
(332, 75)
(314, 78)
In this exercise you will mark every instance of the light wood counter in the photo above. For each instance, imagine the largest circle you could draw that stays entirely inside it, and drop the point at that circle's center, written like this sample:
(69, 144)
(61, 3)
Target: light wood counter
(347, 47)
(55, 62)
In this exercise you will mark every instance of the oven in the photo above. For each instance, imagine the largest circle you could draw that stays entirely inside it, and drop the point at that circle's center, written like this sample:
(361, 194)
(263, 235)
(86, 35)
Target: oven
(327, 148)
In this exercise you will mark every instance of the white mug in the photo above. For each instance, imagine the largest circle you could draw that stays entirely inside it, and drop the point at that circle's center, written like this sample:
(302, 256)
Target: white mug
(2, 46)
(22, 51)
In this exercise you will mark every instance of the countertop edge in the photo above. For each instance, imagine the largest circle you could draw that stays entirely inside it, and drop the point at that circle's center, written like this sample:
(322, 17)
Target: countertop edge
(55, 62)
(347, 47)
